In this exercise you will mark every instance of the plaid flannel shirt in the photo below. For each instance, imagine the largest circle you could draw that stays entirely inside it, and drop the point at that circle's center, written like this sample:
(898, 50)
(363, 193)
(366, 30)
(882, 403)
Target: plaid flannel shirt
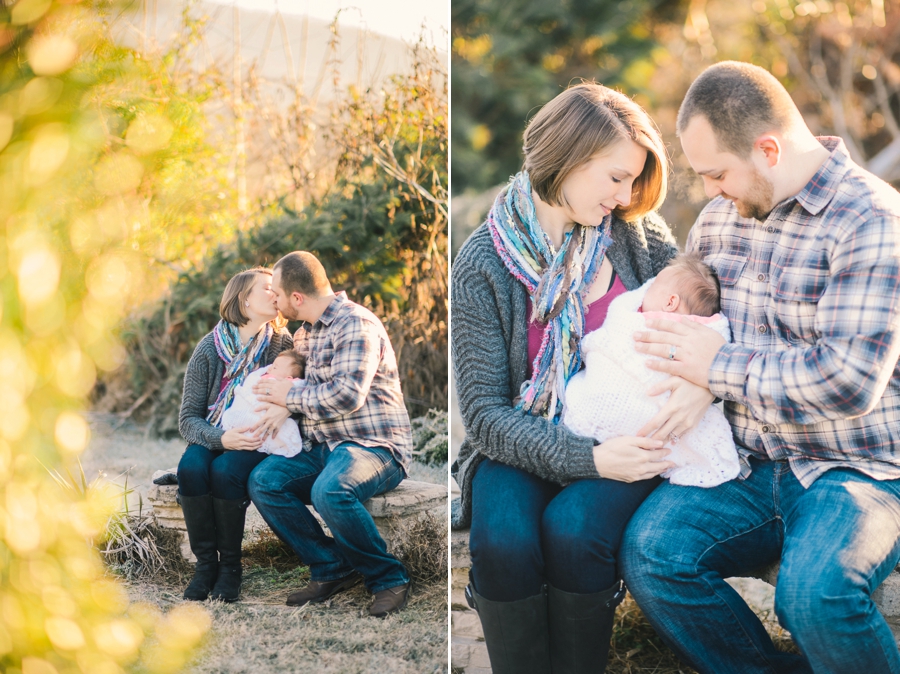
(352, 387)
(813, 297)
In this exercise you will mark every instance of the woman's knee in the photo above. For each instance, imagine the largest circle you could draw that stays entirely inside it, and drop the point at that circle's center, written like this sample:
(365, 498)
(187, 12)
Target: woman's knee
(193, 471)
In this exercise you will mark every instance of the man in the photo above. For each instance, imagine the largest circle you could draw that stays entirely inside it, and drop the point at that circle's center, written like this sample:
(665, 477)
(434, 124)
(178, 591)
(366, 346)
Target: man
(356, 436)
(807, 248)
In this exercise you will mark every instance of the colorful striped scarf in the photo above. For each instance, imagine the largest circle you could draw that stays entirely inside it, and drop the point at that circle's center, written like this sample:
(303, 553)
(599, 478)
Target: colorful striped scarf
(239, 361)
(555, 280)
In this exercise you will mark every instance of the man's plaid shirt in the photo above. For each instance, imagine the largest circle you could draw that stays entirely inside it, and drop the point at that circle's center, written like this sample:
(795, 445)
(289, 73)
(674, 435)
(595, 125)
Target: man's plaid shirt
(813, 297)
(352, 388)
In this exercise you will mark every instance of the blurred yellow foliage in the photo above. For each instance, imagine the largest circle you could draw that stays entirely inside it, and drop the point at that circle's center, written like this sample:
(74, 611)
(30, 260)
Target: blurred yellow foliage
(66, 273)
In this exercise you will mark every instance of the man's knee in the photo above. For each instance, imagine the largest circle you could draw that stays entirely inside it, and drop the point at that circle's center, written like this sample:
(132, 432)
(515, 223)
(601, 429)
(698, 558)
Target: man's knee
(329, 493)
(812, 599)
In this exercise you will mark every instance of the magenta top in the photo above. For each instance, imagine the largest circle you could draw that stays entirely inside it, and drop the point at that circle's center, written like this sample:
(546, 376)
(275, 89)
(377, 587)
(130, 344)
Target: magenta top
(594, 315)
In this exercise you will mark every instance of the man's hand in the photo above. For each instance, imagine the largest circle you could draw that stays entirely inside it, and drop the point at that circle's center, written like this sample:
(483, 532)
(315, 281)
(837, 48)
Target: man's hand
(695, 348)
(272, 390)
(271, 417)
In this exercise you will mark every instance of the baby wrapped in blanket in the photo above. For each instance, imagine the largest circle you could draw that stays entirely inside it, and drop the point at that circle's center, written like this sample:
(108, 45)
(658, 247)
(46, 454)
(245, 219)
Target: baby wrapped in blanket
(608, 397)
(242, 411)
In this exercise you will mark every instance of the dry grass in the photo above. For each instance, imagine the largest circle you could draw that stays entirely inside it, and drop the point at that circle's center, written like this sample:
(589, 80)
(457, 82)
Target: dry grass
(422, 547)
(261, 634)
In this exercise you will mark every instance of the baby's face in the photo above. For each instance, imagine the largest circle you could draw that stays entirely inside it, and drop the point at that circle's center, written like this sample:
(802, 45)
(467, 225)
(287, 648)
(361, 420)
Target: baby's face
(283, 367)
(661, 292)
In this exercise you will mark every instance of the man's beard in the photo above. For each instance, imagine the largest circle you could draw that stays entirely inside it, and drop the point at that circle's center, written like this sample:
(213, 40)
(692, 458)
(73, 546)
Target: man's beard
(758, 202)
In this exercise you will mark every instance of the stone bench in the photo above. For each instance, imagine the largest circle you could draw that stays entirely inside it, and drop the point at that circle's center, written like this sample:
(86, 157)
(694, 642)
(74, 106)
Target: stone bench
(468, 652)
(390, 511)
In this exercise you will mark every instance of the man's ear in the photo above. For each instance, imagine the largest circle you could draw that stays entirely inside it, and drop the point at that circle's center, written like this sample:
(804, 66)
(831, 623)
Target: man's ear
(770, 146)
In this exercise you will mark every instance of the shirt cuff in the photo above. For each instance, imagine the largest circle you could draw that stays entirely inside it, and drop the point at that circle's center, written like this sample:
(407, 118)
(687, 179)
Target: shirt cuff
(728, 372)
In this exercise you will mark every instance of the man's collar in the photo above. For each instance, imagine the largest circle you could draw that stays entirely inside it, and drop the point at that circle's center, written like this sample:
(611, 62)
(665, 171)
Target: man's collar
(333, 308)
(822, 187)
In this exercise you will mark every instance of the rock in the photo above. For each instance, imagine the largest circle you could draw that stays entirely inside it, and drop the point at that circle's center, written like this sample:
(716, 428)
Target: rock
(411, 499)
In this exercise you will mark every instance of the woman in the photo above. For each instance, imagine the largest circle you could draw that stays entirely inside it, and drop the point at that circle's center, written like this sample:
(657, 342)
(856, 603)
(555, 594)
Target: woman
(547, 508)
(213, 471)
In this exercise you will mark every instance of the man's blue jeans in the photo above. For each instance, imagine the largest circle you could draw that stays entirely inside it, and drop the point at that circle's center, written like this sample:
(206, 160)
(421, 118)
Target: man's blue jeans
(837, 540)
(527, 531)
(337, 483)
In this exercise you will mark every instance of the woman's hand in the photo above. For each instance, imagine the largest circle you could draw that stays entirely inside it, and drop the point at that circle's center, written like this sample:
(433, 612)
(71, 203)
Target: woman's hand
(683, 410)
(242, 439)
(629, 459)
(271, 418)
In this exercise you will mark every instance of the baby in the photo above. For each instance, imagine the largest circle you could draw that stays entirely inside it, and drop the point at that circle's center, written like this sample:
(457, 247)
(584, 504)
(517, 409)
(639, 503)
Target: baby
(608, 398)
(287, 365)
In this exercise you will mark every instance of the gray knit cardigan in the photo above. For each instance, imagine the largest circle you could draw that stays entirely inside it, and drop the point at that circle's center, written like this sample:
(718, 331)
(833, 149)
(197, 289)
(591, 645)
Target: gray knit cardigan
(489, 346)
(202, 382)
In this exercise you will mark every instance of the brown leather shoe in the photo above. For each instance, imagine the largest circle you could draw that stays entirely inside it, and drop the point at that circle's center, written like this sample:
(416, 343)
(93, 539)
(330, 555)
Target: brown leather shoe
(318, 591)
(390, 601)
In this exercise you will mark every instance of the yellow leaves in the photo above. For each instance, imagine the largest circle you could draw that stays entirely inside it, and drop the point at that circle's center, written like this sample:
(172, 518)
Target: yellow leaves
(39, 95)
(107, 277)
(6, 128)
(75, 371)
(22, 531)
(71, 432)
(37, 271)
(28, 11)
(179, 632)
(553, 62)
(58, 602)
(149, 133)
(48, 152)
(64, 633)
(51, 54)
(473, 49)
(480, 136)
(118, 173)
(119, 638)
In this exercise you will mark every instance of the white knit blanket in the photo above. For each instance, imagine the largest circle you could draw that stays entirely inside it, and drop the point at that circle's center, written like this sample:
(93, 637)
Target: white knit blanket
(241, 413)
(608, 397)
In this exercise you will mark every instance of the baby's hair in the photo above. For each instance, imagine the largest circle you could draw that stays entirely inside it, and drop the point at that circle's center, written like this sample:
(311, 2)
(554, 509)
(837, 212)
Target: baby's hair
(298, 362)
(701, 283)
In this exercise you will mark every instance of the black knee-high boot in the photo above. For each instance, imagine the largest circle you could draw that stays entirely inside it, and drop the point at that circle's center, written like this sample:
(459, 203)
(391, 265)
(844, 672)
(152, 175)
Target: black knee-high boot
(516, 633)
(201, 528)
(229, 536)
(580, 629)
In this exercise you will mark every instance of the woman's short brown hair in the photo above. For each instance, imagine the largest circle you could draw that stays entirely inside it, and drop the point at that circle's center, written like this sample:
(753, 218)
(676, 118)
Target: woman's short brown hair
(586, 120)
(231, 308)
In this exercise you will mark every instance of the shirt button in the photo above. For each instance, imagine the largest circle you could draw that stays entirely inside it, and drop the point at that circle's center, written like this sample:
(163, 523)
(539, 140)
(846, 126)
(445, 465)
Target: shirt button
(764, 429)
(762, 329)
(728, 396)
(770, 229)
(761, 277)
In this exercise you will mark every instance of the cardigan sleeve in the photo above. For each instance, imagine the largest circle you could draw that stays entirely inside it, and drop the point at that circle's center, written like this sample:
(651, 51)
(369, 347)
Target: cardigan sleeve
(192, 423)
(482, 368)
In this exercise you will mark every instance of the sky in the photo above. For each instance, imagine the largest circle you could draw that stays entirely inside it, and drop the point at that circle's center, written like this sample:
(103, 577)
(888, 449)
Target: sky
(396, 18)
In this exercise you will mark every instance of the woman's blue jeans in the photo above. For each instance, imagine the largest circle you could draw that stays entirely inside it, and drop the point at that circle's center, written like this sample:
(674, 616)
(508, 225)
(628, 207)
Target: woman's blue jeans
(337, 483)
(527, 531)
(223, 474)
(837, 541)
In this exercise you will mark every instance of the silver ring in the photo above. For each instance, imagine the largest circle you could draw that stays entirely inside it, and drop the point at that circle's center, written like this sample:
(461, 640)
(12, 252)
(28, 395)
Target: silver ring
(672, 349)
(268, 392)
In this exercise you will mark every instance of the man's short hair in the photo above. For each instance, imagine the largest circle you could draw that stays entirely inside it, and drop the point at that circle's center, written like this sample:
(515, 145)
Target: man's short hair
(301, 272)
(741, 102)
(698, 283)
